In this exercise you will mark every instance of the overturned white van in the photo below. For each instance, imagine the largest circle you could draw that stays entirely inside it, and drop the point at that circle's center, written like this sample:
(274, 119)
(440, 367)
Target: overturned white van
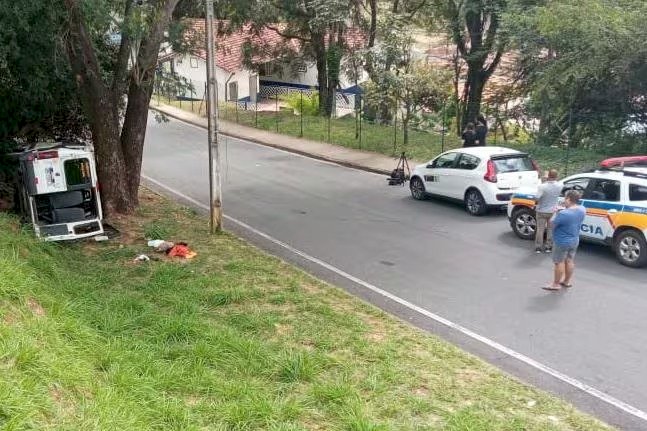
(57, 191)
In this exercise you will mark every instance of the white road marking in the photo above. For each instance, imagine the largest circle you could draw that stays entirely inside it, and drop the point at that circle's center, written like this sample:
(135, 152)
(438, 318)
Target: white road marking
(621, 405)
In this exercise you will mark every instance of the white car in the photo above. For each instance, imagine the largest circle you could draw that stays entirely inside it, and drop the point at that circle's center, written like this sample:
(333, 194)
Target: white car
(481, 177)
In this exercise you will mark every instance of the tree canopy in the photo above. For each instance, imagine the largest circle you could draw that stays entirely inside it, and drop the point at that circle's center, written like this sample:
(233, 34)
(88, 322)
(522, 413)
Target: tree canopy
(583, 63)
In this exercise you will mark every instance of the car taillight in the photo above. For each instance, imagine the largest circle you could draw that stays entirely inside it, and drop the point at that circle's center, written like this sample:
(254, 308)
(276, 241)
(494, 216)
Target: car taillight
(48, 155)
(490, 173)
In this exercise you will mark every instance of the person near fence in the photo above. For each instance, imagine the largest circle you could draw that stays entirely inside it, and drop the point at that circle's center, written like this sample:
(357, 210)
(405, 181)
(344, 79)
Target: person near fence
(546, 199)
(566, 238)
(481, 131)
(469, 136)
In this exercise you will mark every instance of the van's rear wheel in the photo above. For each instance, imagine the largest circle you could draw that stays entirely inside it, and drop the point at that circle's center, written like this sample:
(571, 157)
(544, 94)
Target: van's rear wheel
(524, 223)
(631, 248)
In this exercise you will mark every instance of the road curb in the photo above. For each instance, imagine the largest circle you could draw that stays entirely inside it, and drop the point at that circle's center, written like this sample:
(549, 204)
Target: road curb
(341, 162)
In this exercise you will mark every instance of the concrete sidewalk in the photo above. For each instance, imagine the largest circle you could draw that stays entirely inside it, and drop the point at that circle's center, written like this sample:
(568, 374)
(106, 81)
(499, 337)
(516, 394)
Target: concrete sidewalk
(358, 159)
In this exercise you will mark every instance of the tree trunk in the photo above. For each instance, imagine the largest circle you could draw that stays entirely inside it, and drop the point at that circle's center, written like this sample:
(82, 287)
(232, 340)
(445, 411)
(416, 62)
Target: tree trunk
(118, 148)
(405, 125)
(322, 73)
(101, 112)
(111, 169)
(474, 88)
(475, 34)
(133, 135)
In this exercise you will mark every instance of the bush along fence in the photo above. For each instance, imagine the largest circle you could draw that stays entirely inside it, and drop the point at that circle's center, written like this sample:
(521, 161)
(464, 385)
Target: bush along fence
(296, 112)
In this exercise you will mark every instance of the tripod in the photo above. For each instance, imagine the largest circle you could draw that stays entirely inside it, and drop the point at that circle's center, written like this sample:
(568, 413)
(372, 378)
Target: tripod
(401, 173)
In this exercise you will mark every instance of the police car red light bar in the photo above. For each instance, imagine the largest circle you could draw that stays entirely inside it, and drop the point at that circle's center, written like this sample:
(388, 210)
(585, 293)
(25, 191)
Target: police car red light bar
(48, 154)
(617, 162)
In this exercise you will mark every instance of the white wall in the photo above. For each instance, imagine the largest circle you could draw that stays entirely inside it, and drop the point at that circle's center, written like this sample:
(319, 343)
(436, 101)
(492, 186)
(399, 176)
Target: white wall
(198, 77)
(309, 77)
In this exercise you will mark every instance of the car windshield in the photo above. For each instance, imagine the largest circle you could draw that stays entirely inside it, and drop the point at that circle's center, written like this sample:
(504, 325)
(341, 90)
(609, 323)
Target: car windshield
(513, 164)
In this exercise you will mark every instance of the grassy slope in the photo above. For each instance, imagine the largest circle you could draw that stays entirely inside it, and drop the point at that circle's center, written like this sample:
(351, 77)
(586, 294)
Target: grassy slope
(233, 340)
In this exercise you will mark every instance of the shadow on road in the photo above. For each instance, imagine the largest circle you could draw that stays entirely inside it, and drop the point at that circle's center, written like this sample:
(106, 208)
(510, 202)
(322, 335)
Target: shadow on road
(545, 301)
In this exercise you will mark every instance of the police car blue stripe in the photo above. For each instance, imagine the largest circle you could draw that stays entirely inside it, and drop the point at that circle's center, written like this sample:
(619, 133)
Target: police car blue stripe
(523, 196)
(601, 205)
(637, 210)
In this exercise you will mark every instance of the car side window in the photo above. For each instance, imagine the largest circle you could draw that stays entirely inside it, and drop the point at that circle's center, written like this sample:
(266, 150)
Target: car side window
(579, 184)
(637, 193)
(445, 161)
(603, 190)
(468, 162)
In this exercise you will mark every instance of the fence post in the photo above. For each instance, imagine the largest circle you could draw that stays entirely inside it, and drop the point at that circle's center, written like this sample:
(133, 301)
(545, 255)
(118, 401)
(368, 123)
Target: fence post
(236, 102)
(191, 91)
(177, 90)
(395, 131)
(277, 111)
(301, 114)
(496, 124)
(329, 125)
(256, 113)
(204, 95)
(442, 136)
(361, 116)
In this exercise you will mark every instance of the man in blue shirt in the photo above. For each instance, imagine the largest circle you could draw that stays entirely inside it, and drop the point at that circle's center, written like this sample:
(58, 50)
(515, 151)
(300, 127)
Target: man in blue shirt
(566, 238)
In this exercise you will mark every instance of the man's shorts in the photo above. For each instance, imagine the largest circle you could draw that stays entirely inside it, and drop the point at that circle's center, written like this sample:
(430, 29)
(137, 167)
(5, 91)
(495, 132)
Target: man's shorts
(562, 253)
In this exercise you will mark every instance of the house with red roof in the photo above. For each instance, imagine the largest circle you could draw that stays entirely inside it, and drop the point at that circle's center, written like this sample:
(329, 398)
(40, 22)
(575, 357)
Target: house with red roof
(238, 81)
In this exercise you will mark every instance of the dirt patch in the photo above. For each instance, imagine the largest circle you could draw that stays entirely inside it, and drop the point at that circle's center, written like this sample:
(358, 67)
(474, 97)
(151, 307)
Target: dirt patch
(56, 394)
(376, 337)
(63, 403)
(131, 227)
(35, 307)
(421, 391)
(377, 327)
(9, 319)
(282, 329)
(469, 376)
(310, 288)
(192, 401)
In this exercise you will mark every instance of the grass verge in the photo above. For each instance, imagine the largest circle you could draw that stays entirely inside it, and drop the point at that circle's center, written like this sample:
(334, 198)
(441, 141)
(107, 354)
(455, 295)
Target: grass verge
(378, 138)
(231, 340)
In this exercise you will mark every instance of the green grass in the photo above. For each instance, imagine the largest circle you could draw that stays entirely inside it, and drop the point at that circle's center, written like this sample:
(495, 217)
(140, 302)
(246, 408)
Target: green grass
(231, 340)
(422, 146)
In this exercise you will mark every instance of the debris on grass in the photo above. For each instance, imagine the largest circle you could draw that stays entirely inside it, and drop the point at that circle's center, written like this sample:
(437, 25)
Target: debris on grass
(142, 258)
(181, 249)
(160, 245)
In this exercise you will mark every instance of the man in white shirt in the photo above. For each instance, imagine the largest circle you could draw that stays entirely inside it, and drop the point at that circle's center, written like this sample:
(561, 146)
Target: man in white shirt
(547, 198)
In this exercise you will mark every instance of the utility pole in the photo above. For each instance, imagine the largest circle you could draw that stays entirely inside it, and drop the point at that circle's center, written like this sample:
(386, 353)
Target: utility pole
(215, 189)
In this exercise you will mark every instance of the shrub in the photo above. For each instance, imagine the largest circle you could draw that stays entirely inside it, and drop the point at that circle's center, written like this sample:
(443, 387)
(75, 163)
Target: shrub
(306, 104)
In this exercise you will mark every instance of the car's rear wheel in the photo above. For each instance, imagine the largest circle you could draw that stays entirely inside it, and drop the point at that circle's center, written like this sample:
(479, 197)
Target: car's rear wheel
(524, 223)
(417, 188)
(475, 203)
(631, 248)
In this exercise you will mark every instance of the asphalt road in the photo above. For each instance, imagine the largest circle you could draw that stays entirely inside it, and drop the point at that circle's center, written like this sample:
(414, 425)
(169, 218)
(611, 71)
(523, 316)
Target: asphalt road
(471, 271)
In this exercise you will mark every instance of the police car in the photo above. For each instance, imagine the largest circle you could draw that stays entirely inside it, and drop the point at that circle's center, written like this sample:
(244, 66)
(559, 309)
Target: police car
(480, 177)
(616, 210)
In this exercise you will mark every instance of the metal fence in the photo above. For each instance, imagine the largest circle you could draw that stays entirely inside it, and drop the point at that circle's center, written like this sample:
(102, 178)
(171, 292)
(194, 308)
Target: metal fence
(294, 112)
